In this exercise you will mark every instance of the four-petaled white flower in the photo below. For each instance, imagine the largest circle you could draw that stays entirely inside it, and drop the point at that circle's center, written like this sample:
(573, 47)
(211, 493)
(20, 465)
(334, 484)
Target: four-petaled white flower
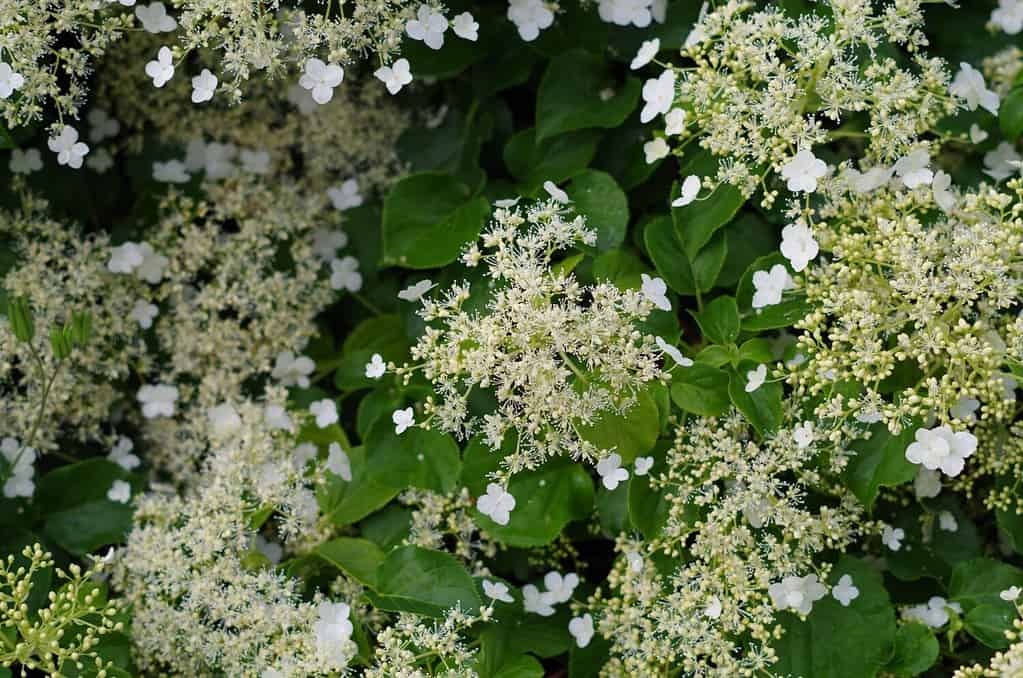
(647, 51)
(255, 162)
(403, 419)
(203, 86)
(844, 591)
(869, 181)
(327, 242)
(802, 434)
(977, 134)
(942, 449)
(611, 472)
(20, 463)
(161, 69)
(798, 245)
(560, 587)
(428, 26)
(1003, 162)
(292, 370)
(802, 172)
(224, 419)
(70, 151)
(675, 354)
(125, 258)
(376, 367)
(157, 400)
(415, 292)
(713, 609)
(100, 161)
(635, 561)
(496, 590)
(122, 455)
(688, 192)
(965, 409)
(465, 27)
(10, 80)
(927, 483)
(25, 161)
(119, 492)
(655, 290)
(303, 454)
(945, 199)
(497, 504)
(797, 593)
(947, 521)
(102, 126)
(625, 12)
(345, 274)
(530, 17)
(581, 629)
(143, 313)
(345, 196)
(1010, 594)
(333, 627)
(643, 465)
(655, 150)
(892, 537)
(934, 613)
(699, 32)
(338, 462)
(1008, 16)
(769, 286)
(277, 418)
(170, 172)
(325, 411)
(155, 19)
(675, 121)
(969, 85)
(152, 266)
(555, 192)
(321, 79)
(915, 169)
(394, 76)
(659, 95)
(755, 378)
(536, 602)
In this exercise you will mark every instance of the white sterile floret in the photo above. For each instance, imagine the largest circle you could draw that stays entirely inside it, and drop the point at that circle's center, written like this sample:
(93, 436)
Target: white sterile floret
(344, 274)
(869, 181)
(581, 629)
(170, 172)
(1002, 162)
(416, 291)
(611, 472)
(675, 121)
(70, 151)
(969, 86)
(102, 126)
(155, 19)
(161, 69)
(536, 602)
(769, 286)
(942, 449)
(143, 313)
(713, 608)
(934, 613)
(965, 409)
(303, 454)
(152, 266)
(345, 196)
(395, 76)
(947, 521)
(656, 291)
(560, 587)
(1010, 594)
(332, 629)
(675, 354)
(802, 435)
(688, 192)
(892, 537)
(203, 86)
(255, 162)
(10, 80)
(100, 161)
(277, 418)
(977, 134)
(635, 561)
(272, 550)
(658, 95)
(655, 150)
(496, 590)
(927, 483)
(915, 169)
(327, 242)
(119, 492)
(321, 79)
(798, 245)
(121, 454)
(125, 258)
(325, 411)
(530, 17)
(20, 468)
(497, 504)
(944, 198)
(626, 12)
(428, 26)
(755, 378)
(224, 419)
(647, 51)
(466, 27)
(555, 192)
(25, 161)
(157, 400)
(1008, 16)
(802, 172)
(797, 593)
(292, 370)
(403, 419)
(218, 162)
(376, 367)
(338, 462)
(643, 465)
(699, 32)
(844, 591)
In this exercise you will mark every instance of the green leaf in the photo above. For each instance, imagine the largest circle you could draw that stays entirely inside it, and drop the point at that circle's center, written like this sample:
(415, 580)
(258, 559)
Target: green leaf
(75, 484)
(596, 196)
(452, 58)
(700, 389)
(629, 434)
(1010, 114)
(570, 98)
(649, 508)
(383, 334)
(417, 457)
(358, 558)
(791, 310)
(698, 221)
(758, 350)
(344, 503)
(916, 650)
(749, 237)
(452, 148)
(988, 624)
(879, 461)
(428, 218)
(88, 526)
(555, 159)
(423, 581)
(979, 581)
(522, 666)
(387, 527)
(612, 510)
(719, 320)
(586, 662)
(618, 267)
(762, 407)
(928, 551)
(673, 263)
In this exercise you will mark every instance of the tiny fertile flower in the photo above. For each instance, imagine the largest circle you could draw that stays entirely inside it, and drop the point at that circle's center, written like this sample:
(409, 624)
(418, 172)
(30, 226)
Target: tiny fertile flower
(556, 193)
(203, 86)
(497, 504)
(345, 274)
(345, 196)
(675, 122)
(581, 629)
(1010, 594)
(560, 587)
(70, 151)
(415, 292)
(969, 86)
(530, 17)
(655, 290)
(647, 51)
(403, 419)
(119, 492)
(611, 472)
(395, 76)
(325, 411)
(161, 69)
(770, 285)
(690, 189)
(914, 169)
(798, 245)
(170, 172)
(321, 79)
(157, 400)
(155, 19)
(292, 370)
(655, 150)
(844, 591)
(940, 448)
(428, 26)
(675, 354)
(802, 172)
(892, 537)
(945, 199)
(643, 465)
(338, 462)
(25, 161)
(465, 27)
(122, 454)
(797, 593)
(536, 602)
(9, 80)
(496, 590)
(659, 95)
(755, 378)
(143, 313)
(376, 367)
